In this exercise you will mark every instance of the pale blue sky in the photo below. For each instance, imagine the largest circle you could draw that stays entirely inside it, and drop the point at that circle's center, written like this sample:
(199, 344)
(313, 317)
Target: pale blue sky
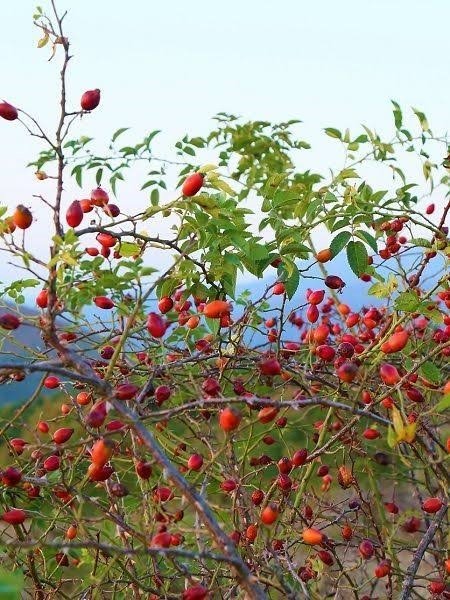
(173, 65)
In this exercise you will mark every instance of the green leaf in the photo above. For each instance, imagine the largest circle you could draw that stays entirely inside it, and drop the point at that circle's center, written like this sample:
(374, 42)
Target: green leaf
(119, 132)
(340, 224)
(128, 249)
(148, 271)
(77, 171)
(426, 168)
(407, 302)
(126, 150)
(443, 404)
(291, 283)
(257, 251)
(98, 176)
(213, 325)
(384, 289)
(347, 174)
(207, 168)
(431, 372)
(113, 181)
(334, 133)
(434, 315)
(391, 437)
(339, 242)
(11, 584)
(398, 118)
(154, 197)
(422, 119)
(148, 184)
(167, 286)
(368, 238)
(43, 41)
(357, 257)
(421, 242)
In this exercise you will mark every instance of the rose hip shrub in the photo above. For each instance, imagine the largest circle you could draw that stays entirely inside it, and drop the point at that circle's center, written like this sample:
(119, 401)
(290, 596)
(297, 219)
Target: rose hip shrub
(201, 443)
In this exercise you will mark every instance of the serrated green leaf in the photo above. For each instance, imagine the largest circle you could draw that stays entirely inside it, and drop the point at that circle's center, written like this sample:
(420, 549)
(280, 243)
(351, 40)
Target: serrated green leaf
(421, 242)
(128, 249)
(340, 224)
(257, 251)
(291, 283)
(434, 315)
(407, 302)
(368, 238)
(223, 186)
(443, 404)
(357, 257)
(339, 242)
(431, 372)
(383, 289)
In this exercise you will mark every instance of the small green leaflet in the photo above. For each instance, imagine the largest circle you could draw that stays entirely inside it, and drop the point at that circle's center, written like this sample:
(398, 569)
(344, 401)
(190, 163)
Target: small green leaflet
(292, 282)
(443, 404)
(289, 274)
(431, 372)
(357, 257)
(398, 118)
(407, 302)
(339, 242)
(391, 437)
(128, 249)
(119, 132)
(384, 289)
(368, 238)
(422, 242)
(422, 119)
(334, 133)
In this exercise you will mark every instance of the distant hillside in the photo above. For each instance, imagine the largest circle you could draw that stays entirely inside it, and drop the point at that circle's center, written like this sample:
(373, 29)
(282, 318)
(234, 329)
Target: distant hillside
(13, 346)
(354, 293)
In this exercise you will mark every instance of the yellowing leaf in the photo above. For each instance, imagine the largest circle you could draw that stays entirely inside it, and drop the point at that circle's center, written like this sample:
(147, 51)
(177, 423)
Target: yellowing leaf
(204, 201)
(207, 168)
(443, 404)
(128, 249)
(397, 422)
(410, 432)
(151, 211)
(217, 183)
(403, 432)
(391, 437)
(43, 41)
(69, 259)
(208, 204)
